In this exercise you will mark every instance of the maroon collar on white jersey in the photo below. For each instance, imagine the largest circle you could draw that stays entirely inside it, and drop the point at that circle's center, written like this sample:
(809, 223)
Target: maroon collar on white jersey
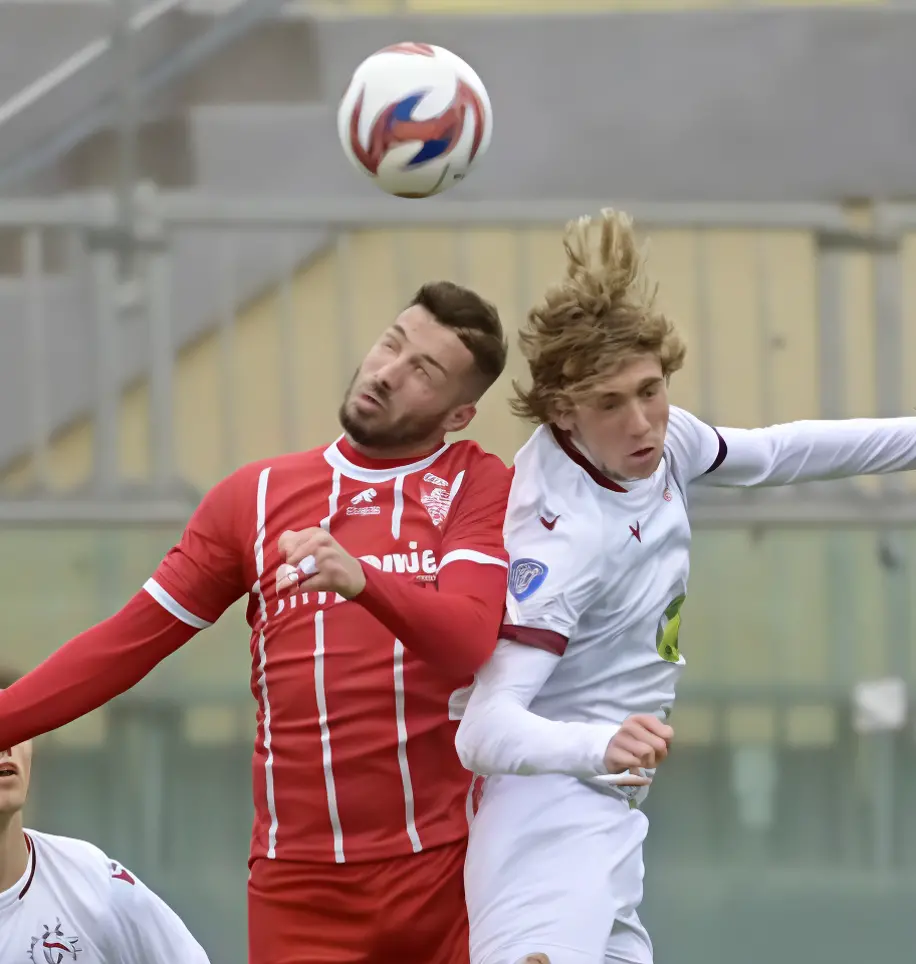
(33, 857)
(20, 888)
(565, 442)
(340, 455)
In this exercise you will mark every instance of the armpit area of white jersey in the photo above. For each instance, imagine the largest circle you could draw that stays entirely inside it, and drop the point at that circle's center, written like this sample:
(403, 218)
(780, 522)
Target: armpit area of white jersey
(554, 572)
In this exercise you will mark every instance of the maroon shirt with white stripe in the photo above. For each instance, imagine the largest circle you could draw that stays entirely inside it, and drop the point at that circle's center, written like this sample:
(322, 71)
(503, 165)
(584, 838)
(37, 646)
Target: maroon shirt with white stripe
(354, 758)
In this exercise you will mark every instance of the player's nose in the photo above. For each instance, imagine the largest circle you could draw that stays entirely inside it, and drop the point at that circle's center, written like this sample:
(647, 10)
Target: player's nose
(388, 377)
(639, 424)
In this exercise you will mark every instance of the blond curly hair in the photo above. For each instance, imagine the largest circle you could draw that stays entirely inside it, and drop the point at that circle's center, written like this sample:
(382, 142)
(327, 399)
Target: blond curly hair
(591, 324)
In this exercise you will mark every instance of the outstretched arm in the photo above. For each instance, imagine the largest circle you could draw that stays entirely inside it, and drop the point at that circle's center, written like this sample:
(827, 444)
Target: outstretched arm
(806, 451)
(809, 451)
(90, 670)
(197, 580)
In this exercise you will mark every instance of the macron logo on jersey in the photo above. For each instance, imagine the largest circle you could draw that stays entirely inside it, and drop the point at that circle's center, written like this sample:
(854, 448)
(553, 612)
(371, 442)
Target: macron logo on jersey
(526, 576)
(121, 873)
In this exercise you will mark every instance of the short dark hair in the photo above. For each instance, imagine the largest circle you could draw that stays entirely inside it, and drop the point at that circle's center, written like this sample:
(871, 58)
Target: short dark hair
(474, 320)
(7, 678)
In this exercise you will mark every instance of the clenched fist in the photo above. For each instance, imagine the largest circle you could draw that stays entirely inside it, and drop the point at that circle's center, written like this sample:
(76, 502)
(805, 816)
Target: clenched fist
(641, 743)
(316, 562)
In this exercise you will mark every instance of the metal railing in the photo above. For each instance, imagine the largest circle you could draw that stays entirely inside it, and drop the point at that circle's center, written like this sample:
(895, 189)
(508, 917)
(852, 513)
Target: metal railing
(223, 226)
(744, 804)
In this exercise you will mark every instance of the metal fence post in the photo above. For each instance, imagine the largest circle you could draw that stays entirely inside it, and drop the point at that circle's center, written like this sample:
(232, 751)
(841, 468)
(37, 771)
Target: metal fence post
(157, 284)
(104, 268)
(37, 359)
(893, 551)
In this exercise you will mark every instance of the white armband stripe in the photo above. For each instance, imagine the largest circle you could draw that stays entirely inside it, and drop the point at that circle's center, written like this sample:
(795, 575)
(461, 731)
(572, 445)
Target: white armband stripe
(471, 555)
(174, 607)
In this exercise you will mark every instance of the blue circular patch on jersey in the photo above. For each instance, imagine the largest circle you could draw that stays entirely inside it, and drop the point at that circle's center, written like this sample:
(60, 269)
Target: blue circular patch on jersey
(525, 577)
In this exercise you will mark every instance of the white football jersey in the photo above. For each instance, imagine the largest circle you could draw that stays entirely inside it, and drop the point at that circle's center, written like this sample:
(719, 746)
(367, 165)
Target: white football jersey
(74, 904)
(598, 576)
(599, 572)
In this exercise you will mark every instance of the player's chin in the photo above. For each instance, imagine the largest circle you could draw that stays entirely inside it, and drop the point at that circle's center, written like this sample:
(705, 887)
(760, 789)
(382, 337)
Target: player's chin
(364, 425)
(642, 466)
(11, 801)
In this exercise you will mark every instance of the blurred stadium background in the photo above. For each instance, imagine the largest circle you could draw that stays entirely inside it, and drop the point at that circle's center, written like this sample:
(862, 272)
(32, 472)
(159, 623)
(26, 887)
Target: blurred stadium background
(189, 273)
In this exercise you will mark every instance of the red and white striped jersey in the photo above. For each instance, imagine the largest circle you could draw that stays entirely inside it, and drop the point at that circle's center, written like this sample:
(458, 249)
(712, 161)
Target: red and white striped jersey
(355, 757)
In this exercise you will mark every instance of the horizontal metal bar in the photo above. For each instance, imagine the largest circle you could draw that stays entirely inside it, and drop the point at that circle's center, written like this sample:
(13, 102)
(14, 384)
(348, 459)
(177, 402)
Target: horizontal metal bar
(65, 211)
(896, 217)
(797, 513)
(836, 694)
(194, 208)
(201, 210)
(863, 242)
(88, 512)
(705, 513)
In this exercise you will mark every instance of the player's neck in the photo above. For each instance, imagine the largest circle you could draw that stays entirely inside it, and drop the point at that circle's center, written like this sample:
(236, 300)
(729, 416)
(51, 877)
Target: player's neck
(409, 453)
(583, 448)
(14, 851)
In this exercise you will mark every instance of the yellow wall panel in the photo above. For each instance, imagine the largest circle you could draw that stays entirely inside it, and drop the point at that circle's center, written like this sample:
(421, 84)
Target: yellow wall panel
(745, 303)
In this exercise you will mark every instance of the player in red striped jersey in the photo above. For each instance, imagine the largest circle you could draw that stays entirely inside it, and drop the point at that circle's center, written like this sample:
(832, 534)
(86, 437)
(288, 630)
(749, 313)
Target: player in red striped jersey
(376, 575)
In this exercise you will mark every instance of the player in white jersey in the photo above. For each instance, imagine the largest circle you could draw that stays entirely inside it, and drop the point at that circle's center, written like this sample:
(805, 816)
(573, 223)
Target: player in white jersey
(586, 668)
(63, 900)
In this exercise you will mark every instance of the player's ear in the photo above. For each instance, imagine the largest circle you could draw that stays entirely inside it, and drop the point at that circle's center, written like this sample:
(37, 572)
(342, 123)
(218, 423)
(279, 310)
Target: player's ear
(564, 420)
(458, 419)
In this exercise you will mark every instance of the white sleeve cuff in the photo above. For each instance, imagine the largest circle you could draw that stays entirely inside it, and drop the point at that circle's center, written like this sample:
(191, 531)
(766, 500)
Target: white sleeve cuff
(600, 739)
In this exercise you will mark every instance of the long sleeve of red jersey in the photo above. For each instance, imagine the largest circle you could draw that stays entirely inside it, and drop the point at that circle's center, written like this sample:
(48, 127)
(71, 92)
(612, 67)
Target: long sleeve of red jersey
(197, 580)
(456, 625)
(90, 670)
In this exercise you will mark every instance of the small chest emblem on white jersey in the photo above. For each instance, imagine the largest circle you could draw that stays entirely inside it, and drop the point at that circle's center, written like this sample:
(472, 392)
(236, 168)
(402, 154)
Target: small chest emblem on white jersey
(666, 495)
(635, 532)
(53, 946)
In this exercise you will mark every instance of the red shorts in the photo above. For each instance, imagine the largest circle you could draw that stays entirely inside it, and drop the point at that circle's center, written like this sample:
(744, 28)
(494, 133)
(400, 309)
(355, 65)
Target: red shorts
(406, 910)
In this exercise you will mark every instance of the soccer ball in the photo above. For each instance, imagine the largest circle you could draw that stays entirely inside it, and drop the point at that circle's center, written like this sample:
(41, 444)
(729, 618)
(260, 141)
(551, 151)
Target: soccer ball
(415, 118)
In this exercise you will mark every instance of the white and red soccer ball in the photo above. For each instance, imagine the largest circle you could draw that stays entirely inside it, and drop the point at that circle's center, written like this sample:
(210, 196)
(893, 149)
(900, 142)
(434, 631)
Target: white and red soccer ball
(414, 119)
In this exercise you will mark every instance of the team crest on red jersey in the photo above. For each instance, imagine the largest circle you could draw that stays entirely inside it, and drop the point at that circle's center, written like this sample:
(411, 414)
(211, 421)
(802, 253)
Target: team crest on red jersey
(436, 496)
(54, 946)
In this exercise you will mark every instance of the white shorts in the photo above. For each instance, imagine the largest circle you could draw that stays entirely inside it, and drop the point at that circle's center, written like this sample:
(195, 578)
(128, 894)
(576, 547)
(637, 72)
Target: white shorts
(555, 867)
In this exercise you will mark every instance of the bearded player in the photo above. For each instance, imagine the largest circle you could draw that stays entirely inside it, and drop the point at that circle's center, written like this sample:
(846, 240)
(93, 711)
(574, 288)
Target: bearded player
(63, 900)
(375, 575)
(584, 676)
